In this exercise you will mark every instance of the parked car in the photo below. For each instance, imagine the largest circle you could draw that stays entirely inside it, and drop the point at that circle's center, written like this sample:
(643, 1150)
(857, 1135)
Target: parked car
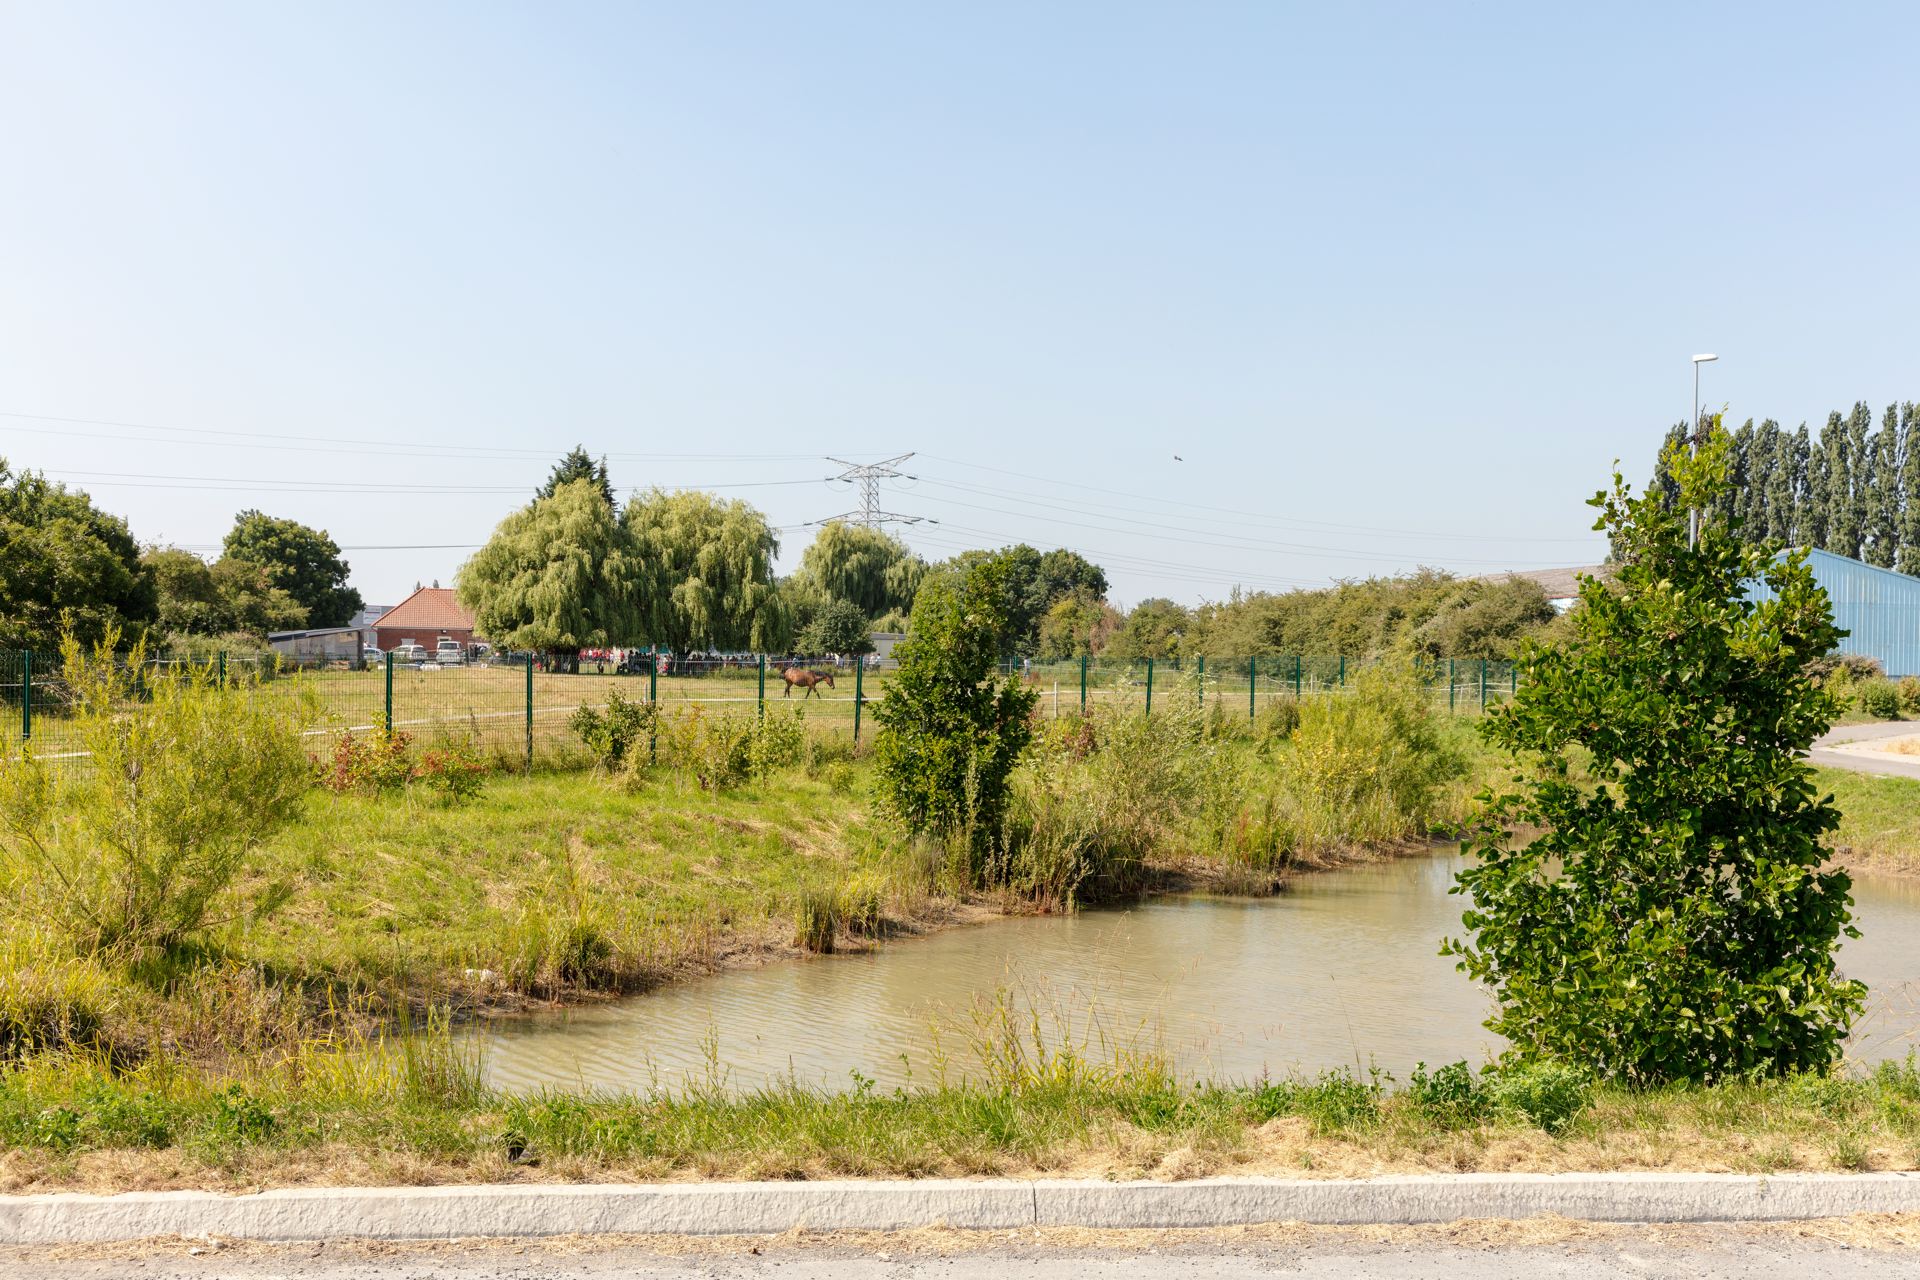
(410, 651)
(371, 653)
(449, 652)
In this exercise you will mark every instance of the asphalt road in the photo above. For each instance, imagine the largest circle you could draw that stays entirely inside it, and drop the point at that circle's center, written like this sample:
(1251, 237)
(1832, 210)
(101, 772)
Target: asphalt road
(1493, 1251)
(1823, 753)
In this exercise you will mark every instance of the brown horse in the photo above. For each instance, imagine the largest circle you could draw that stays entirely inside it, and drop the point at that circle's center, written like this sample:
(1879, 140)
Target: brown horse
(802, 678)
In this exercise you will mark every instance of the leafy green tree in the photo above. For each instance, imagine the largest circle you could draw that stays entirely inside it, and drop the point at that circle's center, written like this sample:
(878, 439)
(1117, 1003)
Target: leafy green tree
(1782, 484)
(1883, 502)
(1034, 582)
(1674, 921)
(706, 573)
(578, 465)
(559, 575)
(301, 561)
(1155, 628)
(226, 597)
(60, 557)
(836, 627)
(1910, 488)
(950, 734)
(1485, 620)
(868, 567)
(1843, 512)
(1810, 503)
(1077, 626)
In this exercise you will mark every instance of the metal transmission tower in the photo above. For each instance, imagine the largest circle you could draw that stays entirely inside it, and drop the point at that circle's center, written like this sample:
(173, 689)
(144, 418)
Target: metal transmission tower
(869, 475)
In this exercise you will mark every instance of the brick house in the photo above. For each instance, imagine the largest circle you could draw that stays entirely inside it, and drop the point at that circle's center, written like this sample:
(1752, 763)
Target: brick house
(424, 617)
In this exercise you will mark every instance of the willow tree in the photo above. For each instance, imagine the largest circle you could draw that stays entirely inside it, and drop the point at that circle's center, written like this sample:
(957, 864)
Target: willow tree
(706, 573)
(869, 568)
(559, 575)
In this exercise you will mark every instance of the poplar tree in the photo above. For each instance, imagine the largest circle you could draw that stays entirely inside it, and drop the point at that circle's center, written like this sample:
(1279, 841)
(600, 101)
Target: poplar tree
(1883, 498)
(1843, 520)
(1910, 488)
(1817, 510)
(1777, 501)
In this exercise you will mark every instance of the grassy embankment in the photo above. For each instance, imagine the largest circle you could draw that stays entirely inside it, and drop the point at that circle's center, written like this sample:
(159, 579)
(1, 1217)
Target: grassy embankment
(247, 1059)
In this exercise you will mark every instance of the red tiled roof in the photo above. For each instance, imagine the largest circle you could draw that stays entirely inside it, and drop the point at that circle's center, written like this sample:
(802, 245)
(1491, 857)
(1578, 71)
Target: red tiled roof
(428, 609)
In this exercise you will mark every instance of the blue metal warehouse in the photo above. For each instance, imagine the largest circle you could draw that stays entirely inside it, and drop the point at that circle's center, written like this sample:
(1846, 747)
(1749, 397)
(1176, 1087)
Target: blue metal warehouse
(1878, 608)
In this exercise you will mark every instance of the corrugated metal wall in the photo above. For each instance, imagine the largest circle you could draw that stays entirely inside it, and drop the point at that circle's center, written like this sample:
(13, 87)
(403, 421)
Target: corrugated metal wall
(1880, 609)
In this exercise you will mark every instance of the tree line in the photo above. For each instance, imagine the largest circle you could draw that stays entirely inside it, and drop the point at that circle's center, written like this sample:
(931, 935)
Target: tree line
(576, 568)
(65, 564)
(1853, 490)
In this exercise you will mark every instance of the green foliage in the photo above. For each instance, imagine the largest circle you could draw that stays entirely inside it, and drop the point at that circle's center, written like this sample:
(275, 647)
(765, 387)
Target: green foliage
(558, 575)
(1424, 614)
(1157, 628)
(1673, 922)
(868, 568)
(720, 751)
(1908, 692)
(302, 562)
(836, 627)
(706, 573)
(1335, 1101)
(380, 761)
(1077, 626)
(1450, 1096)
(1364, 766)
(228, 597)
(65, 565)
(1550, 1095)
(579, 465)
(1033, 583)
(614, 735)
(1852, 490)
(1878, 698)
(185, 779)
(949, 733)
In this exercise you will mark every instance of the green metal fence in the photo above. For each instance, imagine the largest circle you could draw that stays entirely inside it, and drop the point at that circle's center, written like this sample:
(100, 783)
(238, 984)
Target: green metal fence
(513, 707)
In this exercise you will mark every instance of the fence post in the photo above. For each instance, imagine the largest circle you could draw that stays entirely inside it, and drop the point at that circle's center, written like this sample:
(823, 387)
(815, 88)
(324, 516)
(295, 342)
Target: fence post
(26, 695)
(859, 692)
(390, 689)
(1200, 674)
(1083, 684)
(653, 705)
(1449, 686)
(529, 713)
(1253, 674)
(761, 710)
(223, 668)
(1483, 684)
(1296, 677)
(1343, 671)
(1513, 681)
(1149, 686)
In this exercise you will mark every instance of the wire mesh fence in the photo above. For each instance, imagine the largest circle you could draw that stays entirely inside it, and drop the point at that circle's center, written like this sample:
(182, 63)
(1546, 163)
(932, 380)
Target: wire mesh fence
(512, 707)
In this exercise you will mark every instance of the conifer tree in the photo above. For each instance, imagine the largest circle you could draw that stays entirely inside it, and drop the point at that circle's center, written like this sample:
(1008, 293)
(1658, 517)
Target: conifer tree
(1800, 526)
(1776, 499)
(1819, 508)
(1883, 497)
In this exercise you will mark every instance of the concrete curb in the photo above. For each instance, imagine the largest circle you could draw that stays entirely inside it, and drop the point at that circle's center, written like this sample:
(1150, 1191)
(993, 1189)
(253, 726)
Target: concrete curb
(749, 1208)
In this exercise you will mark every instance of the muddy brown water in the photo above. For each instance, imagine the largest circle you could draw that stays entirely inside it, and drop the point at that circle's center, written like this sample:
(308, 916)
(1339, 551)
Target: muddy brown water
(1342, 969)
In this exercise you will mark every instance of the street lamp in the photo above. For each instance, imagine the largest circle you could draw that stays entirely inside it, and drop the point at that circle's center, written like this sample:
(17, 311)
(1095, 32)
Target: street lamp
(1693, 429)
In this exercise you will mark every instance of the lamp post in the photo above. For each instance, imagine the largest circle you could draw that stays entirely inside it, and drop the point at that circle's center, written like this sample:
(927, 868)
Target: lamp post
(1693, 434)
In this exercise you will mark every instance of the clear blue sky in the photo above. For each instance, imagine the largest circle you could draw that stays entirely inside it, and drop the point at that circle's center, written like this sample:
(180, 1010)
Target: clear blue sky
(1398, 283)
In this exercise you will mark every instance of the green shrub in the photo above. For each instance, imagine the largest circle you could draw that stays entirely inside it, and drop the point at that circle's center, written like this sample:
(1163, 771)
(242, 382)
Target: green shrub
(380, 761)
(1333, 1101)
(779, 741)
(1277, 720)
(950, 733)
(715, 750)
(134, 847)
(1674, 920)
(1549, 1094)
(1366, 765)
(1909, 691)
(1451, 1096)
(816, 919)
(1878, 698)
(453, 769)
(615, 734)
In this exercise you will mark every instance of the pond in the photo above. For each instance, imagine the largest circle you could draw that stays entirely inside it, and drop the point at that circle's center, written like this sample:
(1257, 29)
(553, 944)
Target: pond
(1342, 969)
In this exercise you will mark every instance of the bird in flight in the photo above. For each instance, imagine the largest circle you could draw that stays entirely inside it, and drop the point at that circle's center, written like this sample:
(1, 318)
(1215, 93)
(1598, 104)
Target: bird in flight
(1178, 458)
